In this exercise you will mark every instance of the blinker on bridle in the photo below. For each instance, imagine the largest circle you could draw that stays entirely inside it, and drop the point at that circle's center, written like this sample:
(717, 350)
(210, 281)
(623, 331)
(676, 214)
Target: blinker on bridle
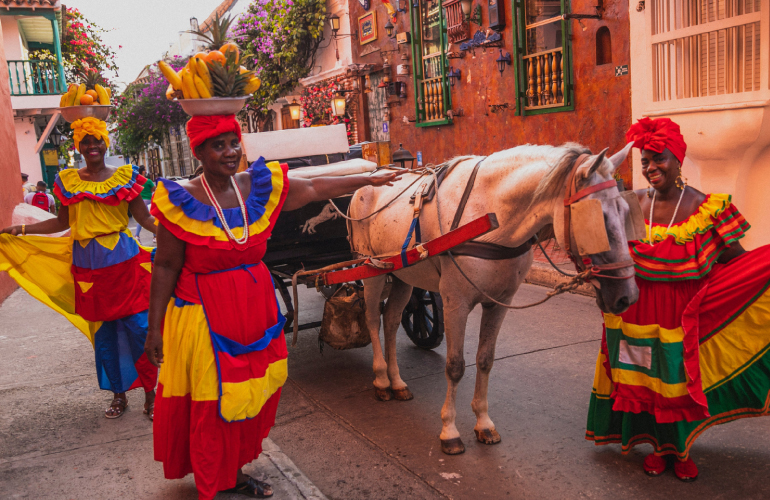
(572, 196)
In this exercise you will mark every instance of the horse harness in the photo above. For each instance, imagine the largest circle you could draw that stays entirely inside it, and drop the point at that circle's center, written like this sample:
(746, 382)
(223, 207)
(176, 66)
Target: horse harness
(478, 249)
(572, 196)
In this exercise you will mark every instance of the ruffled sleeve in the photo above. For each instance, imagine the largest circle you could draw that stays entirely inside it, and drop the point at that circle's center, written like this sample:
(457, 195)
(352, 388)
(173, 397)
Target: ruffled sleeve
(124, 185)
(689, 250)
(197, 223)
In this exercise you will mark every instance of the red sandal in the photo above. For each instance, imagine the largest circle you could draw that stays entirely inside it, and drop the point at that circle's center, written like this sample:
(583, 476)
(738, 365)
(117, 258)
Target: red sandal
(686, 471)
(654, 465)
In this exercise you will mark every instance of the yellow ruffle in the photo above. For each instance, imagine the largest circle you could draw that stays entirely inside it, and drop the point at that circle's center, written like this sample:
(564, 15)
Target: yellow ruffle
(72, 182)
(698, 223)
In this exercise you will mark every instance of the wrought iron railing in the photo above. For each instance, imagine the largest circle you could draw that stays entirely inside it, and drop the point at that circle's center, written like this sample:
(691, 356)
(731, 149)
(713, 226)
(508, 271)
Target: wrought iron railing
(35, 77)
(545, 79)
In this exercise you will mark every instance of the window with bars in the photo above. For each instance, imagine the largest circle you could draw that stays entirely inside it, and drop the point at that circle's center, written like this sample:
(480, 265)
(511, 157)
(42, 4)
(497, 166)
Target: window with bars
(705, 48)
(542, 59)
(429, 45)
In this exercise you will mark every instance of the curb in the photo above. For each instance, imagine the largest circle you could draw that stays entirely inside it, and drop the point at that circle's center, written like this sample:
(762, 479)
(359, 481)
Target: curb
(544, 275)
(285, 466)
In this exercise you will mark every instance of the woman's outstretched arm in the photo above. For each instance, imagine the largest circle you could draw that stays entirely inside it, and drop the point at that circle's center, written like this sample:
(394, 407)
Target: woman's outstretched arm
(50, 226)
(142, 215)
(304, 191)
(169, 259)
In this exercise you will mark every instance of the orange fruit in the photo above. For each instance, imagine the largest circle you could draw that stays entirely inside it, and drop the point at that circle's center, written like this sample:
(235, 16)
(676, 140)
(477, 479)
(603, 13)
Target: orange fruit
(217, 56)
(93, 94)
(200, 55)
(230, 47)
(86, 100)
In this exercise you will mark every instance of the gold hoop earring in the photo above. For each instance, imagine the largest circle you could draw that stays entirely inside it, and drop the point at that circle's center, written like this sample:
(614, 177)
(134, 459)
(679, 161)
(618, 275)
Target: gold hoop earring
(681, 182)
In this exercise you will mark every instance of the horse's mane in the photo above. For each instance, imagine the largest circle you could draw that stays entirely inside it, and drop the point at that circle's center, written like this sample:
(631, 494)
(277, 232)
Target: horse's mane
(552, 183)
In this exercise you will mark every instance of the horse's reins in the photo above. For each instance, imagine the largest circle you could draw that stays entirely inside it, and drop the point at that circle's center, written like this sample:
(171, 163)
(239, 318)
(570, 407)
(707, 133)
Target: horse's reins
(571, 196)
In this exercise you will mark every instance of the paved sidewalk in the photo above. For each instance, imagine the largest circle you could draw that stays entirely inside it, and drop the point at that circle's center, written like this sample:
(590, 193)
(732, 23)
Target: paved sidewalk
(54, 439)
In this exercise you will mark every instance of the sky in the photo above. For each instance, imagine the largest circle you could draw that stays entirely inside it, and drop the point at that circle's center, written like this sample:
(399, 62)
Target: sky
(144, 28)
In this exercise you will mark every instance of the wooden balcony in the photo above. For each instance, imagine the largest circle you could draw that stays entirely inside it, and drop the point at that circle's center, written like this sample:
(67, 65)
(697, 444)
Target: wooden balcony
(35, 78)
(433, 96)
(545, 79)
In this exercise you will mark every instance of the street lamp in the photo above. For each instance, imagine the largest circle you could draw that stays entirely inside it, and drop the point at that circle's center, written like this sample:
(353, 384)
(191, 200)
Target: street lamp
(294, 109)
(389, 29)
(334, 20)
(55, 137)
(338, 105)
(402, 156)
(502, 61)
(453, 74)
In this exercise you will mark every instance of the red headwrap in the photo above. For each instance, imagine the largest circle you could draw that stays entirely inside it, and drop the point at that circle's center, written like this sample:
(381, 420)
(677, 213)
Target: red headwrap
(200, 128)
(657, 135)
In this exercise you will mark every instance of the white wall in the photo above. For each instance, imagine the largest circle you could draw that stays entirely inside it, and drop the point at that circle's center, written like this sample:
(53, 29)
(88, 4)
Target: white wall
(11, 38)
(26, 140)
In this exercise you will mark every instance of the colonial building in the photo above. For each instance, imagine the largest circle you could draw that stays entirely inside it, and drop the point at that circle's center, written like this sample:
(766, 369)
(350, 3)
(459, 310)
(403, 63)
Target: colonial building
(705, 65)
(453, 77)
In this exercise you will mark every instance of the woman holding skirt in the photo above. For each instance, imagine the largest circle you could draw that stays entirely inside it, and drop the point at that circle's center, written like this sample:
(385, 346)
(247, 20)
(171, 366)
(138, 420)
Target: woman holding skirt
(99, 276)
(216, 329)
(692, 351)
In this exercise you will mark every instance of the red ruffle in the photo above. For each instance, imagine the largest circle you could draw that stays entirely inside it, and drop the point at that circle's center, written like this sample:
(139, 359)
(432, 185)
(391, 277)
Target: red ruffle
(122, 194)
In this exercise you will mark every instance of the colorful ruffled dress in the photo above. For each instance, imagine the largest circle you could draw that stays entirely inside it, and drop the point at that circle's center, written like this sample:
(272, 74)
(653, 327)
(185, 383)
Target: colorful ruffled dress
(98, 277)
(692, 351)
(223, 344)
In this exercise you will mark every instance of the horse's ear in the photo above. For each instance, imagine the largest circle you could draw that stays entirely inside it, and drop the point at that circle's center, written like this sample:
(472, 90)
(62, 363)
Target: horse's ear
(589, 167)
(621, 155)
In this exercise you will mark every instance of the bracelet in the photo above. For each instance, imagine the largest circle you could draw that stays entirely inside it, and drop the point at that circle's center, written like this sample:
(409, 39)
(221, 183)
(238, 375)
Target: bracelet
(23, 229)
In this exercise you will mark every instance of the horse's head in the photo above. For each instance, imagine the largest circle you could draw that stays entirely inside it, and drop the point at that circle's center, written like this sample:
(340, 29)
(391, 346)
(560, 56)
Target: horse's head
(583, 217)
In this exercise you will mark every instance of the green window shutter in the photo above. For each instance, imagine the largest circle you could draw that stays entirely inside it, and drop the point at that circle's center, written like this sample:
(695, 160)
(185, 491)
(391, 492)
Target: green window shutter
(429, 64)
(543, 57)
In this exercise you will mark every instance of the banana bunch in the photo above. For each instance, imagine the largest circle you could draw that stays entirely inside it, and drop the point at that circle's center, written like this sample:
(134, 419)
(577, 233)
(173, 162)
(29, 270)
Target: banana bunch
(210, 74)
(81, 95)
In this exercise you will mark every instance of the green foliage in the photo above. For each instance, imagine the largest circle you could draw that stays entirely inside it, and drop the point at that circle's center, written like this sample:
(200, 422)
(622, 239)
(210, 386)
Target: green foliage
(279, 39)
(82, 48)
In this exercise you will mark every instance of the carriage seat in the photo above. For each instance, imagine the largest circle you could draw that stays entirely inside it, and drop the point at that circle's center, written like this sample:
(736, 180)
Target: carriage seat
(339, 169)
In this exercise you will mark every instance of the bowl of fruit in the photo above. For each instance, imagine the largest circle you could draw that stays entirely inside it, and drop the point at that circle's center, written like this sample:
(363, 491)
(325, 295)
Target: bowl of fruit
(89, 98)
(212, 83)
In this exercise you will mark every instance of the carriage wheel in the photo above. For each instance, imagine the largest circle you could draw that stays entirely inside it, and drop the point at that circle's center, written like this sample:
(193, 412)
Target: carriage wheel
(423, 319)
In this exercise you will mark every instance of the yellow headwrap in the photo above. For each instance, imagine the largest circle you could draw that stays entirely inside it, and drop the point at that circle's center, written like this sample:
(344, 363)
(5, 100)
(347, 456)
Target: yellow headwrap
(89, 126)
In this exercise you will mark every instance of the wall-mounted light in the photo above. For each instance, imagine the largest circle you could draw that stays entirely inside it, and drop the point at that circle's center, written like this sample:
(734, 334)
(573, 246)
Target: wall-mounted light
(334, 20)
(502, 61)
(390, 29)
(294, 109)
(401, 156)
(367, 85)
(55, 137)
(452, 75)
(338, 105)
(465, 5)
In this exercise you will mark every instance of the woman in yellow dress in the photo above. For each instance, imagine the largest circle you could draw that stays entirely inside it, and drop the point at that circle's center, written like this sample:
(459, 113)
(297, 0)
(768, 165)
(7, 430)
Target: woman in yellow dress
(99, 276)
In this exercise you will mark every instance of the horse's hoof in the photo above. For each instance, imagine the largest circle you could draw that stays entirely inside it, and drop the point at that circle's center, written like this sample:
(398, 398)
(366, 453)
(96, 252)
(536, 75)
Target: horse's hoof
(382, 394)
(452, 446)
(488, 436)
(402, 394)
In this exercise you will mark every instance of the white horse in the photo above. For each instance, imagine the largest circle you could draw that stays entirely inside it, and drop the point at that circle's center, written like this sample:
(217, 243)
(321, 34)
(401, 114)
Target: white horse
(525, 188)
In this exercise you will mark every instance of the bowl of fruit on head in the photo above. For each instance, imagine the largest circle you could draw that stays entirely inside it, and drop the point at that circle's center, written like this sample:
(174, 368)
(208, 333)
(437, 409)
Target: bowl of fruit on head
(211, 83)
(91, 97)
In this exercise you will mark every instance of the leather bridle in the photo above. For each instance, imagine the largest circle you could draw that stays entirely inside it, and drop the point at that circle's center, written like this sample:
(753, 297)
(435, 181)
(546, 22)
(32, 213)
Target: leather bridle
(572, 195)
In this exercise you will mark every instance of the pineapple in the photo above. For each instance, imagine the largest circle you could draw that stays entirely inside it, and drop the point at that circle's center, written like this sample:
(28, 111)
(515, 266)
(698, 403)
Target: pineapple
(92, 78)
(227, 79)
(216, 36)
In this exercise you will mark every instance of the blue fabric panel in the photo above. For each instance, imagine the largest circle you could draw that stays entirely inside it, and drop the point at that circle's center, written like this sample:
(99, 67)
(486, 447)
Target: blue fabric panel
(95, 256)
(261, 189)
(233, 348)
(118, 345)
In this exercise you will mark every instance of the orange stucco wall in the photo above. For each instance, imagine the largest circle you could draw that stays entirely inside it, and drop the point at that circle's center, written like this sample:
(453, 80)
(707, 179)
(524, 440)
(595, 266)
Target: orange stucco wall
(10, 173)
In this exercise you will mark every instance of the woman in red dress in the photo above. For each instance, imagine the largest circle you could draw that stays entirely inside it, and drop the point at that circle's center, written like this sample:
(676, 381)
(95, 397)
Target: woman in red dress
(692, 351)
(214, 323)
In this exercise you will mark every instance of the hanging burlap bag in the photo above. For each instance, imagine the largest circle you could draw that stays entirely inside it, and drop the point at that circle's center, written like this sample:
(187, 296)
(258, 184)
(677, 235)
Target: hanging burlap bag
(344, 321)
